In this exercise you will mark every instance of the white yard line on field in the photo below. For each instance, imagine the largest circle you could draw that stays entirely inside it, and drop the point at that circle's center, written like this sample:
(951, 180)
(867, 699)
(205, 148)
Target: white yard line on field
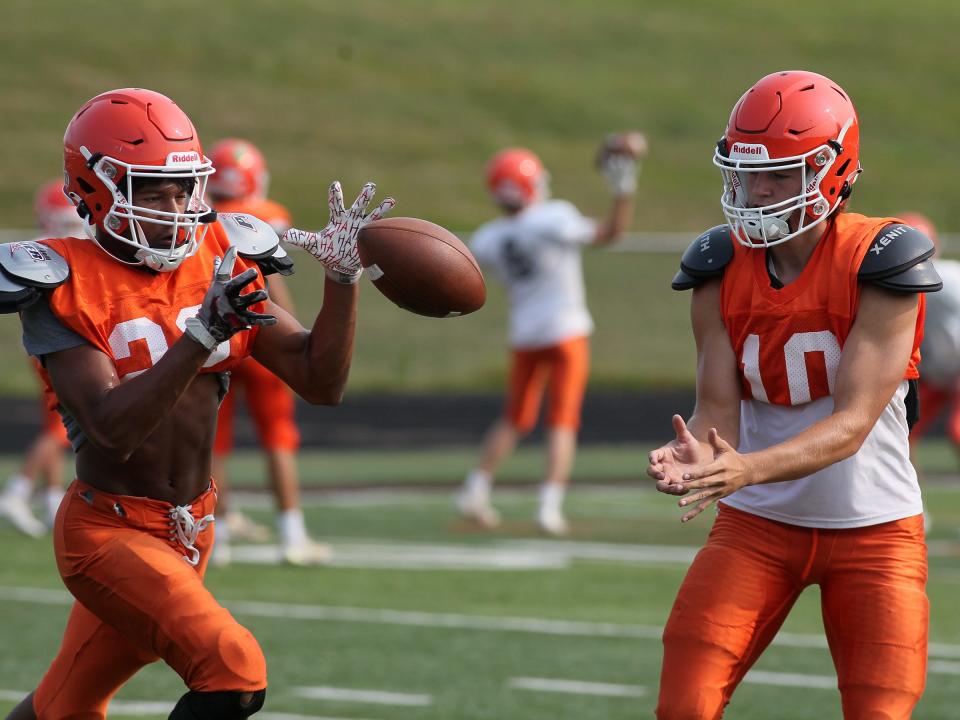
(577, 687)
(456, 621)
(379, 697)
(580, 687)
(763, 677)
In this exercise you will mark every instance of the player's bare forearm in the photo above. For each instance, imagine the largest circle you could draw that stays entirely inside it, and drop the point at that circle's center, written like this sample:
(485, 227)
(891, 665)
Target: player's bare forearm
(117, 417)
(331, 342)
(314, 364)
(617, 221)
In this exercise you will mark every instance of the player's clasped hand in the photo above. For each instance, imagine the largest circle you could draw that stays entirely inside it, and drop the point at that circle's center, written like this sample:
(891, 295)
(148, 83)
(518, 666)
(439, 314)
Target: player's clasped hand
(701, 472)
(336, 245)
(225, 311)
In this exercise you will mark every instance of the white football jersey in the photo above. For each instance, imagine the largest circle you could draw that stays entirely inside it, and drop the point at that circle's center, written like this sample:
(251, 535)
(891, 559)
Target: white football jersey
(940, 351)
(874, 485)
(536, 255)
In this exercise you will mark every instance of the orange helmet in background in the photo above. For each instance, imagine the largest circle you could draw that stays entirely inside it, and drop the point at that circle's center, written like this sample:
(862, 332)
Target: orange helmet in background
(126, 135)
(241, 171)
(56, 215)
(516, 178)
(788, 120)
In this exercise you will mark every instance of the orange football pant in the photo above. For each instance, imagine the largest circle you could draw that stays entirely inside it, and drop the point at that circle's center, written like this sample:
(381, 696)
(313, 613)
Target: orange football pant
(932, 400)
(270, 403)
(743, 583)
(566, 366)
(138, 600)
(53, 426)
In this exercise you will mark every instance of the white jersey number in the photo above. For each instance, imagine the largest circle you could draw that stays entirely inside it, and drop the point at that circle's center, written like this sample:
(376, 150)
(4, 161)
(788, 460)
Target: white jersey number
(130, 331)
(794, 355)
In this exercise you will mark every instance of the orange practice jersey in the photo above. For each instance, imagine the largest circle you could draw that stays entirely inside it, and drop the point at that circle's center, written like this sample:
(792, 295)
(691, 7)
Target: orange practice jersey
(788, 341)
(134, 316)
(272, 213)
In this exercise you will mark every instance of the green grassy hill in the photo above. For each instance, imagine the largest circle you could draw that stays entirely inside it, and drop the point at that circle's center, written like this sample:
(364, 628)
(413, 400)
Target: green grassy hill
(417, 95)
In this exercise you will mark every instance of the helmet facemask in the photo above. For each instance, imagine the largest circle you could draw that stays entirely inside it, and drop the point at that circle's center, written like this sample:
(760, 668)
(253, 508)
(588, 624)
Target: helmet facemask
(768, 225)
(123, 221)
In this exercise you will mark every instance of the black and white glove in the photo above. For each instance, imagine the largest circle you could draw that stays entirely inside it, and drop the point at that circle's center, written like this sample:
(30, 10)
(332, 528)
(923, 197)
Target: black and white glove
(224, 311)
(618, 160)
(336, 245)
(620, 171)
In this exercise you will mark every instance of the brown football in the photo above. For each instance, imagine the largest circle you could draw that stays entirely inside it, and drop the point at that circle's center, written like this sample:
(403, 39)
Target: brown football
(421, 267)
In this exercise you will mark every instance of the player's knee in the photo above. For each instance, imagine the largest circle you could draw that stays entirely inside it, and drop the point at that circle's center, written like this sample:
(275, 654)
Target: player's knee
(223, 705)
(232, 658)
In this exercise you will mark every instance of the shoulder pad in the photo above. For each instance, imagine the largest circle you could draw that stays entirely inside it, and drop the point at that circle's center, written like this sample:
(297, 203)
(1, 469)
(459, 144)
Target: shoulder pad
(896, 260)
(27, 268)
(706, 257)
(256, 240)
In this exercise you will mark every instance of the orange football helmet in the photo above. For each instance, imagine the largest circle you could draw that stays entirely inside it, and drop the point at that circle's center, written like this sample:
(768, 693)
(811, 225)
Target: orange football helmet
(241, 171)
(119, 137)
(516, 178)
(788, 120)
(56, 215)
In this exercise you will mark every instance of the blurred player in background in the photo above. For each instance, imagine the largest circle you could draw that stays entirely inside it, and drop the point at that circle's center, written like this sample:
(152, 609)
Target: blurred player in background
(807, 322)
(940, 350)
(535, 251)
(137, 327)
(240, 185)
(45, 458)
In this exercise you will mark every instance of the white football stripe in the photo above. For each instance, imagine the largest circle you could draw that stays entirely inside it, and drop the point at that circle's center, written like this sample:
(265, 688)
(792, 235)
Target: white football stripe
(577, 687)
(763, 677)
(379, 697)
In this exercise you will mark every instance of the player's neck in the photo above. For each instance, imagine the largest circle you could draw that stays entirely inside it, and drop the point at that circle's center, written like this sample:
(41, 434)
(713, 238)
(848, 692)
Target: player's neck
(790, 258)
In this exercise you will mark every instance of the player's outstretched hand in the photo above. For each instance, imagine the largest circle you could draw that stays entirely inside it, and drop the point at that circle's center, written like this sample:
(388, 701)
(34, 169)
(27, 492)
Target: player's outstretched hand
(618, 160)
(336, 245)
(681, 455)
(709, 482)
(225, 311)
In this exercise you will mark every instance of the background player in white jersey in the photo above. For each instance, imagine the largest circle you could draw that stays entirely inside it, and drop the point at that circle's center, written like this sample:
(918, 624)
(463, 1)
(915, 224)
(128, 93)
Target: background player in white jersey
(45, 458)
(940, 350)
(534, 250)
(807, 322)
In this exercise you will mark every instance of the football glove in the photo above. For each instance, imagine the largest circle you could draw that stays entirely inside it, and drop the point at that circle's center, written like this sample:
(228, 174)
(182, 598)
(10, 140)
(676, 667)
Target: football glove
(224, 311)
(620, 171)
(336, 245)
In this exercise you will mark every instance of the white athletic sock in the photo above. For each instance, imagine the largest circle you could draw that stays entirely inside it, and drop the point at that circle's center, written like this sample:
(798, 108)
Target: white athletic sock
(551, 496)
(221, 530)
(291, 528)
(52, 499)
(479, 482)
(19, 486)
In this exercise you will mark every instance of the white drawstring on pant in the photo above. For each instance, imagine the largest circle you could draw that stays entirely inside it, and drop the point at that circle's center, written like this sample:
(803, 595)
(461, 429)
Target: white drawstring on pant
(187, 529)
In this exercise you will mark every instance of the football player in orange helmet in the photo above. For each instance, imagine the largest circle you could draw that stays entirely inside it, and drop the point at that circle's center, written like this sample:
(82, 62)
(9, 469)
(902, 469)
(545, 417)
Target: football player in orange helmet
(240, 185)
(137, 331)
(807, 321)
(56, 217)
(534, 250)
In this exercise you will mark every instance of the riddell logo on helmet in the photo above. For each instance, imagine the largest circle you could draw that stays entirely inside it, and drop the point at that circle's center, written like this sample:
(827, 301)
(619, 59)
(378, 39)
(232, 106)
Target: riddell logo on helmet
(742, 150)
(187, 158)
